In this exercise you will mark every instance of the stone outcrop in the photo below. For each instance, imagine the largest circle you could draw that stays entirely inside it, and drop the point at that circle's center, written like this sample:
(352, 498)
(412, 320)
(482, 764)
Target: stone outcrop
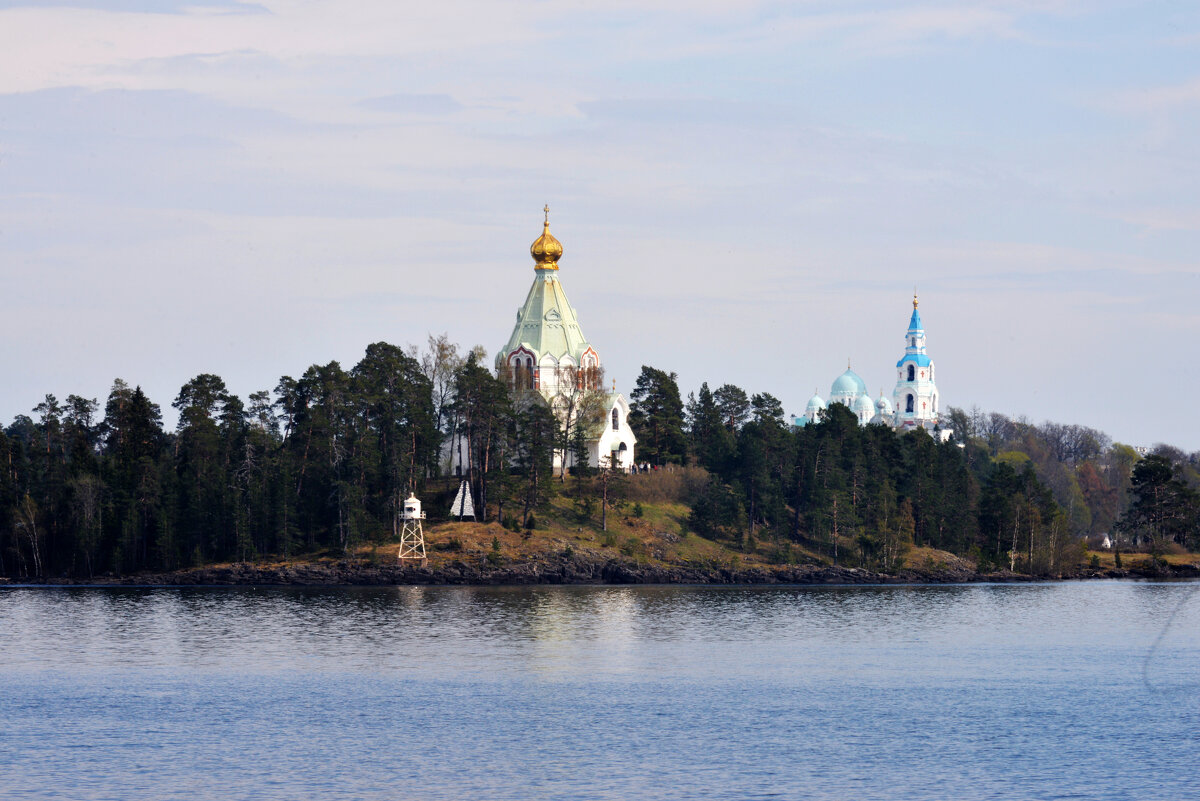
(597, 567)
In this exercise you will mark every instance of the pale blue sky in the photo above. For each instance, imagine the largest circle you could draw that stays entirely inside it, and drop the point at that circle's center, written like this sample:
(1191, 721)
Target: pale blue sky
(746, 192)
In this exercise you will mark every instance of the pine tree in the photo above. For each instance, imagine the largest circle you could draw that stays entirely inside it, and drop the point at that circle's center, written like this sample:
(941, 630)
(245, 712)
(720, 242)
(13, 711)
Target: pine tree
(656, 417)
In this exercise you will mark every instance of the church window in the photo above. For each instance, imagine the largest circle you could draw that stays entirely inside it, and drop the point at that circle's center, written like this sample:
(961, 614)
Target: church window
(616, 421)
(908, 407)
(914, 342)
(911, 372)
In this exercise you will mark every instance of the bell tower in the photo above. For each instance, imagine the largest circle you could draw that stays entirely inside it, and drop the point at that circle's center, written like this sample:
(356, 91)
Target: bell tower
(916, 395)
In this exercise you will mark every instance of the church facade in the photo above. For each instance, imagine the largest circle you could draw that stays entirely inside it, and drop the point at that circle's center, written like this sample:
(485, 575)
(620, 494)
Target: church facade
(548, 355)
(915, 402)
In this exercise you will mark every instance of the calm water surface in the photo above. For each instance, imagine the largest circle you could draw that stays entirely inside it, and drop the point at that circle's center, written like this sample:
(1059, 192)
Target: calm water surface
(1080, 690)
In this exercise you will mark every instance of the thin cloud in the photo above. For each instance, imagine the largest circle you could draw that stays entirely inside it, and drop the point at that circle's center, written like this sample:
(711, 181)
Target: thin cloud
(434, 105)
(1156, 99)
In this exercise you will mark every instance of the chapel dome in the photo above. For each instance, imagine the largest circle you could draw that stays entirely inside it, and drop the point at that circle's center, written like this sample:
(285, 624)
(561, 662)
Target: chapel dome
(864, 408)
(884, 405)
(848, 383)
(815, 404)
(546, 250)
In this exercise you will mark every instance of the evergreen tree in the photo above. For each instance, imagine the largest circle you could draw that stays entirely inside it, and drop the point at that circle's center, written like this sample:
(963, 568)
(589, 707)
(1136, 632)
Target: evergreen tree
(484, 414)
(1164, 508)
(533, 439)
(733, 406)
(709, 440)
(656, 417)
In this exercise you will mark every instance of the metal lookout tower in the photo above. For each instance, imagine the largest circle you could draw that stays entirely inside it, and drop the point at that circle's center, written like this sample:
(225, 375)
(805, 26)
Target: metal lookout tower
(412, 537)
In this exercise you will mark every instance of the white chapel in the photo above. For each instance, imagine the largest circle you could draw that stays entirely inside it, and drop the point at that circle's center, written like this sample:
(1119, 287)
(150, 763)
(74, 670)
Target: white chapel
(547, 352)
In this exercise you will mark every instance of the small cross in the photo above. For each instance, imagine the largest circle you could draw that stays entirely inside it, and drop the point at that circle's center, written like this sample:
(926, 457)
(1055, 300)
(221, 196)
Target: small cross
(547, 210)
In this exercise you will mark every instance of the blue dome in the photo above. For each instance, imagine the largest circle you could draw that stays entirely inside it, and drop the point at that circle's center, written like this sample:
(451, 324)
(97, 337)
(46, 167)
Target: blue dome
(815, 404)
(848, 383)
(864, 407)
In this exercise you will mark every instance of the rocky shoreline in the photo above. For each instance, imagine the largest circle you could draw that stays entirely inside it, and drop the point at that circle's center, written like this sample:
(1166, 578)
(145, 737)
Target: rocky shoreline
(576, 570)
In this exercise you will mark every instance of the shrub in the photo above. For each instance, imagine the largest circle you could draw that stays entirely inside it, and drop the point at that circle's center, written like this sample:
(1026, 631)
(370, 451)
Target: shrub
(584, 507)
(676, 485)
(494, 558)
(452, 544)
(1095, 563)
(637, 509)
(782, 555)
(633, 547)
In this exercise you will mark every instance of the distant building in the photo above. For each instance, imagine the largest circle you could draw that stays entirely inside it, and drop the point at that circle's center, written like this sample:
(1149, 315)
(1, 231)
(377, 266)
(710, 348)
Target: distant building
(916, 395)
(851, 391)
(915, 401)
(547, 352)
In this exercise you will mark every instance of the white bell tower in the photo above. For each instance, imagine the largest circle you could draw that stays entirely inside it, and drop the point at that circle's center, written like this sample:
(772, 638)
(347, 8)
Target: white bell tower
(916, 396)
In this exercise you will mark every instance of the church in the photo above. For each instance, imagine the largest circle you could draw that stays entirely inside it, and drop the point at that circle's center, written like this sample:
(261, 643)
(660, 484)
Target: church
(547, 353)
(914, 403)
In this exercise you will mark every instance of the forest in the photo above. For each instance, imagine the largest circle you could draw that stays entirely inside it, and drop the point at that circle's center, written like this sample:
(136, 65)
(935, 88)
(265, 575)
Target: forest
(321, 463)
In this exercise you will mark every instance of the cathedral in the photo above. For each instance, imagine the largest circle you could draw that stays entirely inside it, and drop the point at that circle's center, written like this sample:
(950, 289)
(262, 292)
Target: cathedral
(547, 353)
(914, 402)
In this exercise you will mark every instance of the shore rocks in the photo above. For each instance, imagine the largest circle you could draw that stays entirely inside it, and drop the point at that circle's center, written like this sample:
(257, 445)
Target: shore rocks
(595, 568)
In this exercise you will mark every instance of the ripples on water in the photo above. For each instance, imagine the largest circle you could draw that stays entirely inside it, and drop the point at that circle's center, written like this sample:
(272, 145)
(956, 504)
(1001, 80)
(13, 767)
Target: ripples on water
(1033, 691)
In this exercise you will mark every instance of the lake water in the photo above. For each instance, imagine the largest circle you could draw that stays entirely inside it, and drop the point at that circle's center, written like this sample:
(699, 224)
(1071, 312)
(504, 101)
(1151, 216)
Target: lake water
(1066, 690)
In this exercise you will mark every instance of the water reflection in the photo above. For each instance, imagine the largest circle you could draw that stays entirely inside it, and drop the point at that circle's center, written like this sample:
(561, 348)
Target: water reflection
(1017, 691)
(549, 631)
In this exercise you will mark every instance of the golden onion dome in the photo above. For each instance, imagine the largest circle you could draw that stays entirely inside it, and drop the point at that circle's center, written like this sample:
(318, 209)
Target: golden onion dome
(546, 250)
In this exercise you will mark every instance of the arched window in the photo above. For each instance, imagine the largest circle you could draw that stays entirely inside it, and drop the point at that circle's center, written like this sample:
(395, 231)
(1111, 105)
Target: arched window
(911, 372)
(908, 406)
(616, 421)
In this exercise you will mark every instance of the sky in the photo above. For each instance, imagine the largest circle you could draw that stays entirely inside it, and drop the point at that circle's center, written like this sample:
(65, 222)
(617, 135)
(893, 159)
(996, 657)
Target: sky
(746, 192)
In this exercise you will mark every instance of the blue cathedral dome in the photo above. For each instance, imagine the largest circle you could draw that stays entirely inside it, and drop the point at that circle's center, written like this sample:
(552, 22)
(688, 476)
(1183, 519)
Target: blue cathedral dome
(848, 383)
(864, 408)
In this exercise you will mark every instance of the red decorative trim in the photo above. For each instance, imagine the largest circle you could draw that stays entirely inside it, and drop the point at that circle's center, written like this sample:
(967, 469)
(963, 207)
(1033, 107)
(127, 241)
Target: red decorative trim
(518, 352)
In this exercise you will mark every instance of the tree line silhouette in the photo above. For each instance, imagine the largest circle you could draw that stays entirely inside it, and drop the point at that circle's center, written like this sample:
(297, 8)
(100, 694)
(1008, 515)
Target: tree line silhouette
(323, 460)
